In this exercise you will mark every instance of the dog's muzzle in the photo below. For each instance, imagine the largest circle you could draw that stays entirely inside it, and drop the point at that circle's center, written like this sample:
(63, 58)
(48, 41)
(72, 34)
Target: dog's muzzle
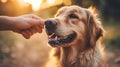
(54, 38)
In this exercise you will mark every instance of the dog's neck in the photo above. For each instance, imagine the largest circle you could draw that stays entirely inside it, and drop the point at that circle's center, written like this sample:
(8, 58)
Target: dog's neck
(74, 57)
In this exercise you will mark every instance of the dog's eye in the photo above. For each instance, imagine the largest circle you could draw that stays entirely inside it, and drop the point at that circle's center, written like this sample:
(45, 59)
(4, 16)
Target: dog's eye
(73, 16)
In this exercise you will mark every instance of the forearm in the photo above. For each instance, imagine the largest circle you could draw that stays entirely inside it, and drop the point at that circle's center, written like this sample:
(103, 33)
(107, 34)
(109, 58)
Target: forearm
(5, 23)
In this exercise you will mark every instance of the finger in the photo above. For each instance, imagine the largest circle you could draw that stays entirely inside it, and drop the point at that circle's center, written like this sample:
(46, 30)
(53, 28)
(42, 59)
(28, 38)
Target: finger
(38, 29)
(25, 35)
(35, 16)
(37, 20)
(16, 30)
(33, 30)
(28, 32)
(41, 27)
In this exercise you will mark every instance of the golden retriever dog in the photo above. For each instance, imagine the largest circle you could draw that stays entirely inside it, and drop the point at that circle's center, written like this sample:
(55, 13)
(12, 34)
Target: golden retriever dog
(74, 34)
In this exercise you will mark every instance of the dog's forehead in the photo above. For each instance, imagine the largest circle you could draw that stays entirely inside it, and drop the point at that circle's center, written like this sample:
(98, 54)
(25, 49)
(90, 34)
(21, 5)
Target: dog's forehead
(71, 9)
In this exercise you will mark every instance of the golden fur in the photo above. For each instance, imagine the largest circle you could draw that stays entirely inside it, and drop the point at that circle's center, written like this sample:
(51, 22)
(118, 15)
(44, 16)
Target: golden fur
(84, 51)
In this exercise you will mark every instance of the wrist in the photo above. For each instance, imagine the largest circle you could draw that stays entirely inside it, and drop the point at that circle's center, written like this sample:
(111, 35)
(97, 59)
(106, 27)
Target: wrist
(6, 23)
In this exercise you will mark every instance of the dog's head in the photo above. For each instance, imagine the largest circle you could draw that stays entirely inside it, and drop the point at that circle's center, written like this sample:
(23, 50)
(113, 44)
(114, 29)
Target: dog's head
(73, 25)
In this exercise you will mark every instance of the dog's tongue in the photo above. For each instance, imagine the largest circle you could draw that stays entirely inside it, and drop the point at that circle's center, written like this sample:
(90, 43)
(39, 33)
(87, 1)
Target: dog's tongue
(54, 39)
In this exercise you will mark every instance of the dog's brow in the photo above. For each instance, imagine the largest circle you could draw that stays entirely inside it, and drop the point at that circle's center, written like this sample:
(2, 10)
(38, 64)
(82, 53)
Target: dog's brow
(73, 11)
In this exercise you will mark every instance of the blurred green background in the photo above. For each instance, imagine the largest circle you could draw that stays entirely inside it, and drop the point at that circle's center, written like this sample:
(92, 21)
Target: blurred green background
(16, 51)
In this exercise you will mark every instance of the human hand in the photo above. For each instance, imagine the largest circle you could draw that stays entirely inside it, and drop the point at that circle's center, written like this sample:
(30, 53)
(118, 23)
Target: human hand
(27, 25)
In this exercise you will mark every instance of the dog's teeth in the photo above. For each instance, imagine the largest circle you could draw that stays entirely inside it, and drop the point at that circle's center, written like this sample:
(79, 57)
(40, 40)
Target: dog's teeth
(64, 37)
(56, 38)
(51, 35)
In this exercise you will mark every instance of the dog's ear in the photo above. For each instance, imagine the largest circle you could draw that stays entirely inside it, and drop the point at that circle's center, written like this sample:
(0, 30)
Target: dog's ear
(94, 28)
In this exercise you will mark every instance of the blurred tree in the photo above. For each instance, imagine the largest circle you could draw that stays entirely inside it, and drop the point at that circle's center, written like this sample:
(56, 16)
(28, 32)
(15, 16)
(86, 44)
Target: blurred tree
(108, 8)
(112, 9)
(87, 3)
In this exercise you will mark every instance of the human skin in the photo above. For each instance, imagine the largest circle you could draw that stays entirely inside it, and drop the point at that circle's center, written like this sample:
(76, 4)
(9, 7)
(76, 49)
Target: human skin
(27, 25)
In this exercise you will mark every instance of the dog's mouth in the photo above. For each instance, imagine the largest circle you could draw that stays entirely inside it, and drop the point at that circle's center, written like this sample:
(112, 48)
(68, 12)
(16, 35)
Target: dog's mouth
(56, 40)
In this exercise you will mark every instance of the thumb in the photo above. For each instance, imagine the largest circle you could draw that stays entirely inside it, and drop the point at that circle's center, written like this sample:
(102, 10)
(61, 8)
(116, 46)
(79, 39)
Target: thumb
(37, 21)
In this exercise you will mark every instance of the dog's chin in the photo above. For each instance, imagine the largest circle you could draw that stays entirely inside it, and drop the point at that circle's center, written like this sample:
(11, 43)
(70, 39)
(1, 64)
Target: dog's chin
(61, 41)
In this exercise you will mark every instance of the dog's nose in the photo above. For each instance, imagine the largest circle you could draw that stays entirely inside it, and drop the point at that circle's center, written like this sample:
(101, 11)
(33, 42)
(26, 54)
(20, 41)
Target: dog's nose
(50, 25)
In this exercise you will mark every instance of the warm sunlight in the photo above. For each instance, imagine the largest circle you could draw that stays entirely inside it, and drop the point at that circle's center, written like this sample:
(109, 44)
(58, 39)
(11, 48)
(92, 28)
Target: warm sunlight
(35, 3)
(50, 1)
(3, 1)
